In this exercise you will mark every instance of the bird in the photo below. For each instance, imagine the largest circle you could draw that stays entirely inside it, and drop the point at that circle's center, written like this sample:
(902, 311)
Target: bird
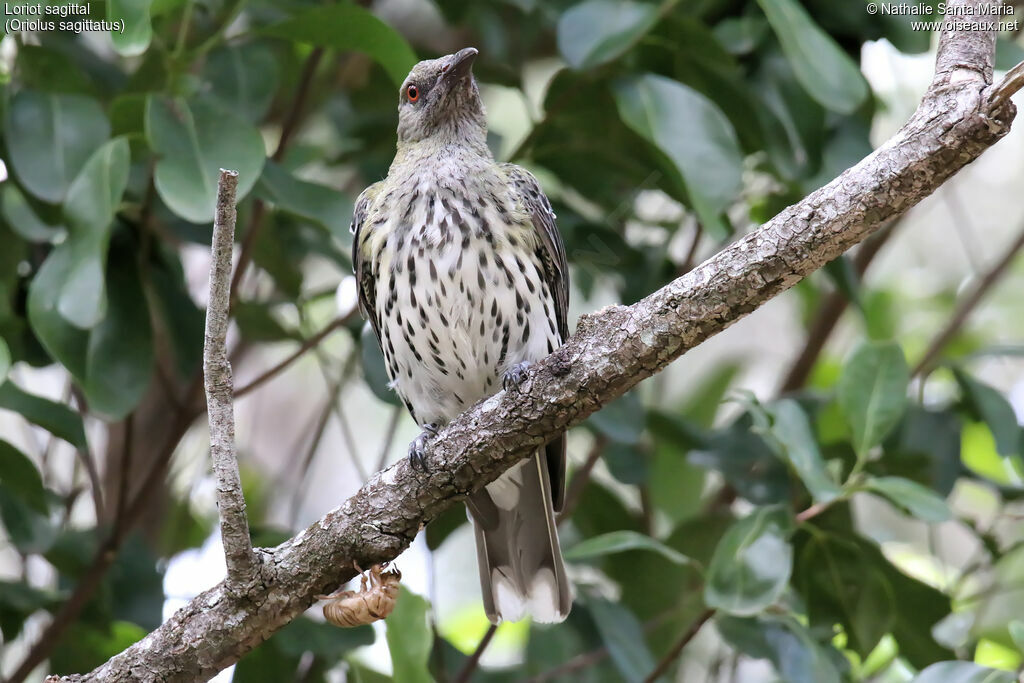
(461, 272)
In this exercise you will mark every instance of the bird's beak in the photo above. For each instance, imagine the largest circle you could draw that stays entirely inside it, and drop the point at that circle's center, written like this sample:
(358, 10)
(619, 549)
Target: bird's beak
(460, 65)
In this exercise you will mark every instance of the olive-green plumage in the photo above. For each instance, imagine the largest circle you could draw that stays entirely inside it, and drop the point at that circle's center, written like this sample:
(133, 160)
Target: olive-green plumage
(462, 275)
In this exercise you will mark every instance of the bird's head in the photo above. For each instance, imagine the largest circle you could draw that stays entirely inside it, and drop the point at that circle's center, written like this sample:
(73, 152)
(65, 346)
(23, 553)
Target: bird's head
(439, 101)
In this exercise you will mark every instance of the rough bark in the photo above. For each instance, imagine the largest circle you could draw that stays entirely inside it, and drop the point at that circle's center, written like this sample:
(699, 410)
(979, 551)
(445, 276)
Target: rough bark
(613, 349)
(220, 406)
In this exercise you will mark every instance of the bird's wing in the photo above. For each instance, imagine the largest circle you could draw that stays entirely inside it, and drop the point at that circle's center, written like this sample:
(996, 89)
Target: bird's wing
(556, 272)
(552, 252)
(363, 270)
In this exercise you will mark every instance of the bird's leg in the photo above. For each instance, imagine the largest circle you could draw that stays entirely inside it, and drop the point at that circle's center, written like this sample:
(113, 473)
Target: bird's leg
(417, 449)
(515, 376)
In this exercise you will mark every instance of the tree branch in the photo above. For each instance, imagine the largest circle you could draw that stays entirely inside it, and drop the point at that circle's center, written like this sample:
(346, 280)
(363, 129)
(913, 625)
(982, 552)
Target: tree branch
(612, 350)
(220, 404)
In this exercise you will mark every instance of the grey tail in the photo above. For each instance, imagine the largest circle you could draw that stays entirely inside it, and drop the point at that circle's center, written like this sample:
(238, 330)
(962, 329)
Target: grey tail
(521, 568)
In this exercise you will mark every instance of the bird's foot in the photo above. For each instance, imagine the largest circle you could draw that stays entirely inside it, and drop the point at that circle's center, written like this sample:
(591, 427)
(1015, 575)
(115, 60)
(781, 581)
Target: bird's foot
(515, 376)
(418, 447)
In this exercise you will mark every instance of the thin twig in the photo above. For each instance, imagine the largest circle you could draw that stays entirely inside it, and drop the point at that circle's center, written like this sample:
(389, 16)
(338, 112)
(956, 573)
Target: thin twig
(967, 305)
(234, 526)
(310, 343)
(389, 438)
(1005, 89)
(677, 649)
(470, 666)
(123, 476)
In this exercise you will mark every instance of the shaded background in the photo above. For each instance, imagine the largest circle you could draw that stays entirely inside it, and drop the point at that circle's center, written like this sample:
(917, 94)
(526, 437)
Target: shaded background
(846, 520)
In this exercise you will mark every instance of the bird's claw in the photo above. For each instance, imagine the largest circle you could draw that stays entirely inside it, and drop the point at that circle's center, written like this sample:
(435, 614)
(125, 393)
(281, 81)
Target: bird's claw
(515, 376)
(418, 447)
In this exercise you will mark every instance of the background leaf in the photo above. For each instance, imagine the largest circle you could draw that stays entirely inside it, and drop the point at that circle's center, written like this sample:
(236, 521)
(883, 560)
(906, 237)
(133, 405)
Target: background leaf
(409, 638)
(597, 31)
(752, 563)
(873, 392)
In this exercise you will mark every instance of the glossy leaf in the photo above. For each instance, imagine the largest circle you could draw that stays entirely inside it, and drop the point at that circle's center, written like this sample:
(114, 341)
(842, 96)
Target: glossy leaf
(138, 31)
(320, 204)
(963, 672)
(597, 31)
(622, 541)
(50, 137)
(350, 27)
(792, 430)
(244, 78)
(54, 417)
(624, 637)
(409, 638)
(1016, 629)
(796, 656)
(828, 73)
(993, 408)
(752, 563)
(89, 212)
(693, 134)
(918, 500)
(873, 392)
(193, 141)
(20, 474)
(23, 220)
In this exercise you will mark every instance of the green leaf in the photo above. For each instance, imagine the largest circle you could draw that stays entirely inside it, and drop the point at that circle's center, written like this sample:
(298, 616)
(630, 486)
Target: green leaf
(50, 137)
(55, 418)
(597, 31)
(193, 141)
(349, 27)
(622, 420)
(409, 638)
(963, 672)
(136, 31)
(373, 367)
(89, 212)
(621, 541)
(83, 646)
(695, 136)
(19, 473)
(624, 637)
(746, 461)
(751, 564)
(841, 585)
(5, 360)
(821, 66)
(873, 392)
(320, 204)
(916, 499)
(325, 641)
(23, 220)
(257, 323)
(19, 600)
(1016, 629)
(992, 407)
(28, 529)
(792, 430)
(113, 361)
(784, 641)
(244, 78)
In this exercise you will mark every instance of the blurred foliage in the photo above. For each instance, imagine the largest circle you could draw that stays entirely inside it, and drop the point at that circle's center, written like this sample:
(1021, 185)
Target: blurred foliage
(112, 145)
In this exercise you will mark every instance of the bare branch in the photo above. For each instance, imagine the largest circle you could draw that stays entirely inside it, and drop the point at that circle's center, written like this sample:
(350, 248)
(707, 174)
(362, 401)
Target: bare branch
(677, 649)
(308, 344)
(612, 350)
(220, 405)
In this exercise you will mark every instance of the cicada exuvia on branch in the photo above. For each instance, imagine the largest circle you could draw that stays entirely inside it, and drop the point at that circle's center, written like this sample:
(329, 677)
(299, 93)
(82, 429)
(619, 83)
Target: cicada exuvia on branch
(368, 604)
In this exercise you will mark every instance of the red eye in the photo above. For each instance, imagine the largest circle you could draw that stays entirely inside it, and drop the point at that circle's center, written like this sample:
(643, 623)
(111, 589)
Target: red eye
(413, 93)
